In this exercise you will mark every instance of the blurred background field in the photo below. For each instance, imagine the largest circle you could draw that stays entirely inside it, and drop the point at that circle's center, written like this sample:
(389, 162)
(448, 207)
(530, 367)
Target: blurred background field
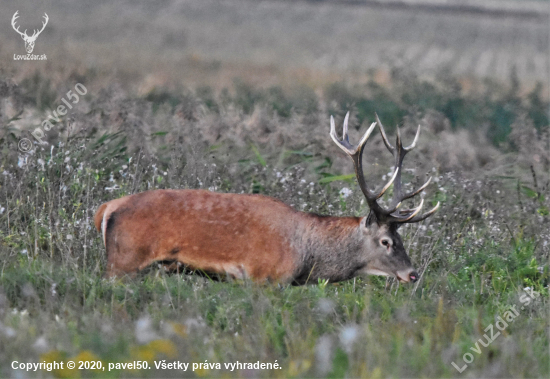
(283, 42)
(235, 96)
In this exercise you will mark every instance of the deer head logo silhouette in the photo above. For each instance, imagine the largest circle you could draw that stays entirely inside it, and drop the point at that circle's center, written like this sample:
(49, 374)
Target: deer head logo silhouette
(29, 40)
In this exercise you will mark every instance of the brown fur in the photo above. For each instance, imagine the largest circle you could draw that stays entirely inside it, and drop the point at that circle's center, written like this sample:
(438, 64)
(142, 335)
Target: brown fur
(241, 235)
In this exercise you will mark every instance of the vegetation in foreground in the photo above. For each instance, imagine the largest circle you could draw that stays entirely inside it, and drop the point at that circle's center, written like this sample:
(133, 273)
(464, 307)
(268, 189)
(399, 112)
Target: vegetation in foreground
(485, 249)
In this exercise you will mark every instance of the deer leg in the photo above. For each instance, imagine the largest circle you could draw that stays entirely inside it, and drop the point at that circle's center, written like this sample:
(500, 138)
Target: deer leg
(123, 261)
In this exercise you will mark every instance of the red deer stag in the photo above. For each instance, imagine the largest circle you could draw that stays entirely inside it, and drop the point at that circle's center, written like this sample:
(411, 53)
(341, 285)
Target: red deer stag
(259, 237)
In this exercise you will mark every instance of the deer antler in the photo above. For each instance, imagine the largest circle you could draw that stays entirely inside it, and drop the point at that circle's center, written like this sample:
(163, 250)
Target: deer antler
(36, 32)
(399, 152)
(13, 20)
(44, 23)
(356, 154)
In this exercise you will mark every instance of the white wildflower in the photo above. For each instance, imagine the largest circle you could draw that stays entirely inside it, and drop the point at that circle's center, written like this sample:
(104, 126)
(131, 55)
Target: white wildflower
(8, 332)
(22, 161)
(345, 192)
(41, 345)
(323, 355)
(348, 336)
(144, 330)
(194, 324)
(326, 306)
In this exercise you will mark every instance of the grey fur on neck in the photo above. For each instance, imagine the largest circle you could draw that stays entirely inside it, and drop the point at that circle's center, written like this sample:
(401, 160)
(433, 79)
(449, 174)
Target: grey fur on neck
(336, 257)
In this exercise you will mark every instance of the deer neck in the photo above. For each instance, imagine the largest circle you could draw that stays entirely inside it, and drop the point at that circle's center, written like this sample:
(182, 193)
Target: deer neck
(328, 248)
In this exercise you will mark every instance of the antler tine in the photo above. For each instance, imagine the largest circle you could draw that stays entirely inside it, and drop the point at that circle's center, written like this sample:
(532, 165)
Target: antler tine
(413, 144)
(384, 138)
(385, 188)
(414, 193)
(14, 18)
(399, 152)
(388, 144)
(46, 19)
(424, 216)
(345, 135)
(44, 23)
(345, 144)
(409, 217)
(394, 208)
(13, 22)
(399, 142)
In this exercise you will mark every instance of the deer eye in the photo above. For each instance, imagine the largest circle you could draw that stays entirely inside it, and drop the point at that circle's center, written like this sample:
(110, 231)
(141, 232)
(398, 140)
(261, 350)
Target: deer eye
(385, 243)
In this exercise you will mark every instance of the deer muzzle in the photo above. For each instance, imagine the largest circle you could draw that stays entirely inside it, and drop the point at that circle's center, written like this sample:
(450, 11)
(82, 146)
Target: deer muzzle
(406, 276)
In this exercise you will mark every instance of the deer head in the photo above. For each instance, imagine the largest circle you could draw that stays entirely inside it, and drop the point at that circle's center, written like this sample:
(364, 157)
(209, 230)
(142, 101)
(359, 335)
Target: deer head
(383, 245)
(29, 40)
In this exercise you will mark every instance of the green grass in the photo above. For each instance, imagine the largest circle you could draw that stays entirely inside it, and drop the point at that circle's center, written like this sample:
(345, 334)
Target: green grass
(393, 333)
(478, 254)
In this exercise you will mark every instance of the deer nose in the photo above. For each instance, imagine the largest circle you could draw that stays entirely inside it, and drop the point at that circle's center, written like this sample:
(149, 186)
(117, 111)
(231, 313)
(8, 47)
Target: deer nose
(413, 276)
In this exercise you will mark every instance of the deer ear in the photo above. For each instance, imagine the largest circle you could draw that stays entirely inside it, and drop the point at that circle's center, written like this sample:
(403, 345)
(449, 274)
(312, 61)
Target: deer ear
(371, 219)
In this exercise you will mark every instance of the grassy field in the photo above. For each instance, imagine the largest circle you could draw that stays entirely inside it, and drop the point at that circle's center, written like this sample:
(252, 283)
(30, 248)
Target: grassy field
(204, 114)
(209, 42)
(484, 249)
